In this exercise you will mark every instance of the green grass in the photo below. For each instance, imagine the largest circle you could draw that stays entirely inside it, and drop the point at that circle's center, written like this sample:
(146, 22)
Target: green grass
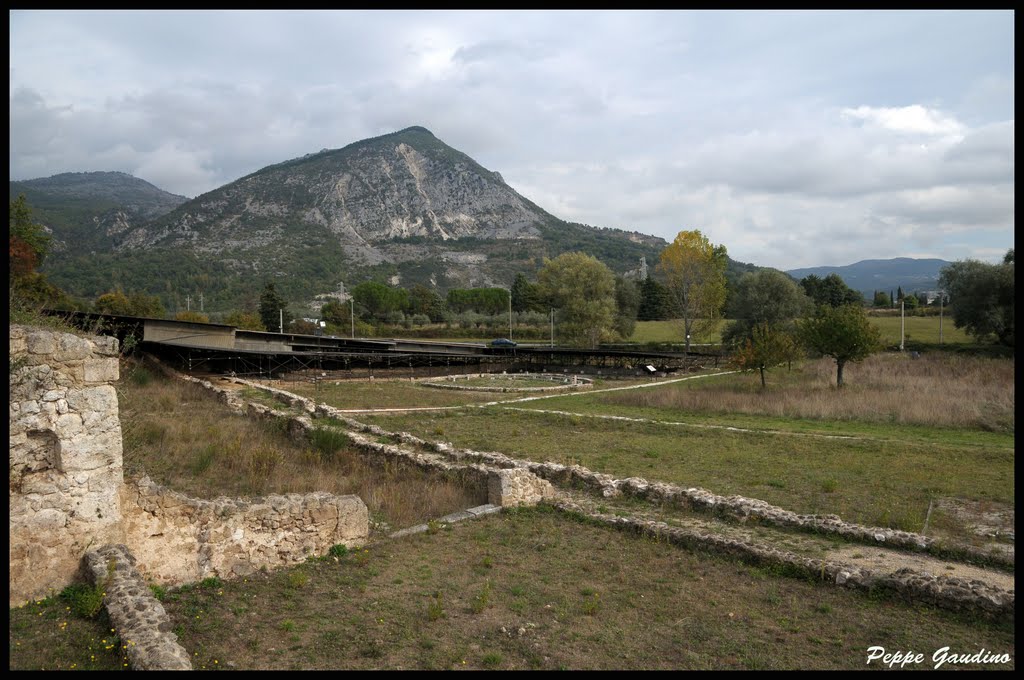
(560, 594)
(356, 394)
(724, 434)
(921, 329)
(888, 482)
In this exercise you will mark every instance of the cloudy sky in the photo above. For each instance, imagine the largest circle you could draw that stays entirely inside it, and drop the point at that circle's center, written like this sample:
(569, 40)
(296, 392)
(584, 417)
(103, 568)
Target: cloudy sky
(793, 138)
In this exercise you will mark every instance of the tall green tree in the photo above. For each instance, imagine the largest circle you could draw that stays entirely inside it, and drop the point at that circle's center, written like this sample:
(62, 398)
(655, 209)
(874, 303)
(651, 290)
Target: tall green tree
(982, 298)
(654, 303)
(765, 304)
(526, 296)
(694, 273)
(831, 290)
(627, 303)
(273, 309)
(29, 242)
(881, 299)
(582, 289)
(423, 300)
(379, 301)
(843, 333)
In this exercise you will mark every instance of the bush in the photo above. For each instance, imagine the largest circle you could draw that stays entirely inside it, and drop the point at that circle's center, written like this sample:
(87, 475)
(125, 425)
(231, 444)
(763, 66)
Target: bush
(85, 600)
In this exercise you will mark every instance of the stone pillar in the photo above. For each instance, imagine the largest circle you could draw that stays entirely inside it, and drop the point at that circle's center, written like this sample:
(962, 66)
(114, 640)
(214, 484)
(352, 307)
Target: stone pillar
(65, 456)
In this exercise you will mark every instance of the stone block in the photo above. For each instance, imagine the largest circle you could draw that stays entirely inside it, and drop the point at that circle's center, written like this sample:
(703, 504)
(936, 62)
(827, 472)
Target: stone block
(101, 370)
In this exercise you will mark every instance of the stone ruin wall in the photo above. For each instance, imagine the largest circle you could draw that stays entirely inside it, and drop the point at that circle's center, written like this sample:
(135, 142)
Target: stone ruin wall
(65, 457)
(68, 496)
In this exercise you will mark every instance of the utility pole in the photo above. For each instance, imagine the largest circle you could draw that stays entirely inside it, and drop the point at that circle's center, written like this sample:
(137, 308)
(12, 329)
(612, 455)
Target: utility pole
(942, 294)
(188, 303)
(509, 313)
(552, 326)
(201, 303)
(901, 324)
(353, 306)
(280, 322)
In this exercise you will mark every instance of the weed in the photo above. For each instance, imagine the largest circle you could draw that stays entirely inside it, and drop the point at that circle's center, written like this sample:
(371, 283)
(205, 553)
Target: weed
(830, 485)
(84, 600)
(297, 578)
(159, 592)
(338, 550)
(481, 599)
(491, 660)
(435, 610)
(288, 625)
(211, 583)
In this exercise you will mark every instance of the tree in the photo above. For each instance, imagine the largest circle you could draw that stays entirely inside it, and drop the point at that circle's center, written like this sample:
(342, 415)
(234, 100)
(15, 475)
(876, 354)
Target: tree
(245, 320)
(981, 298)
(114, 302)
(583, 290)
(29, 242)
(764, 304)
(526, 296)
(882, 299)
(654, 304)
(28, 246)
(146, 305)
(192, 315)
(423, 300)
(380, 301)
(694, 274)
(273, 312)
(843, 333)
(627, 302)
(831, 290)
(766, 346)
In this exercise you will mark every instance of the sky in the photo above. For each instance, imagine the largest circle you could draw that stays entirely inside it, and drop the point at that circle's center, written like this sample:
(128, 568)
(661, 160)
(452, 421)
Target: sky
(794, 138)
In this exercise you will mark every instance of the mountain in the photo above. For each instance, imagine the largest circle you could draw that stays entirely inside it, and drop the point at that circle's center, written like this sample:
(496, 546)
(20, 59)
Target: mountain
(868, 276)
(403, 207)
(86, 211)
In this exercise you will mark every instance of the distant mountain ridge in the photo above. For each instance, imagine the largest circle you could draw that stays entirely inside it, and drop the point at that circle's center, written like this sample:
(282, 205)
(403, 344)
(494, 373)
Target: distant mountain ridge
(86, 211)
(867, 276)
(402, 208)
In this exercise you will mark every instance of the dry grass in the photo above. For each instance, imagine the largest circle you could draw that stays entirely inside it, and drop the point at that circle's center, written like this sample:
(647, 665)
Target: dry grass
(187, 440)
(937, 389)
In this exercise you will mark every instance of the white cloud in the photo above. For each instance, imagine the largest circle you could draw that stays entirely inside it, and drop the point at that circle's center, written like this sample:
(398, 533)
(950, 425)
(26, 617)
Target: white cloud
(914, 119)
(791, 137)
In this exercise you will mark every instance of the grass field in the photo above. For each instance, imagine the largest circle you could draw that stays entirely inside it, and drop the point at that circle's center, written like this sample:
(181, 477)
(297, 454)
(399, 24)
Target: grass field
(524, 590)
(902, 434)
(538, 589)
(184, 438)
(922, 329)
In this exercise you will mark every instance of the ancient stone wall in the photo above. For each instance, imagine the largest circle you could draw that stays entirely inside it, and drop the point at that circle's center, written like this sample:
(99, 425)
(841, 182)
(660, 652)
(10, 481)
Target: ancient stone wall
(68, 496)
(65, 456)
(178, 539)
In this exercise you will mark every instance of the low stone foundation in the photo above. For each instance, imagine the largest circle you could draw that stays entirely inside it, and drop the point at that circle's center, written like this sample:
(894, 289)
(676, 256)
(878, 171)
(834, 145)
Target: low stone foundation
(177, 539)
(948, 592)
(139, 618)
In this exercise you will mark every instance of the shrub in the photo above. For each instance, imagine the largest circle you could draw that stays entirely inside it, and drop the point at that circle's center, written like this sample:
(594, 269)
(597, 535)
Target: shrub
(85, 600)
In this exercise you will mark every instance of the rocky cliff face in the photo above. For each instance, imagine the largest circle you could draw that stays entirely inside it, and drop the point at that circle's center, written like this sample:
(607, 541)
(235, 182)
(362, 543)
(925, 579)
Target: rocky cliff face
(407, 186)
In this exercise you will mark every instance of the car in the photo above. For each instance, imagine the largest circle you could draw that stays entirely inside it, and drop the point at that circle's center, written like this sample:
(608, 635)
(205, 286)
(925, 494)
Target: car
(502, 342)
